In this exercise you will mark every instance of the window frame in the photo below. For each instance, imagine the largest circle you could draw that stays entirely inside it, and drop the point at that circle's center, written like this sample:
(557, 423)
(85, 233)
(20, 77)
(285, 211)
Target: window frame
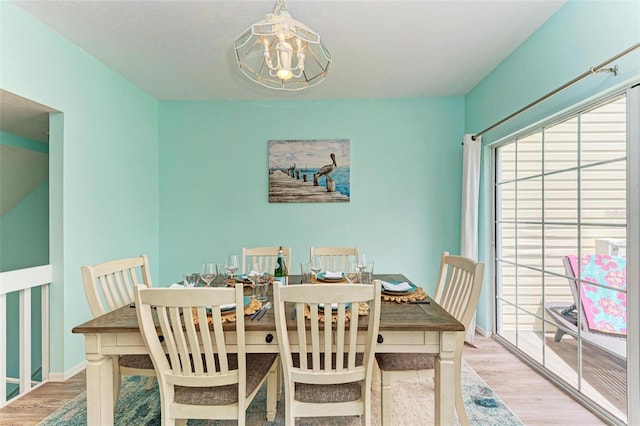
(632, 94)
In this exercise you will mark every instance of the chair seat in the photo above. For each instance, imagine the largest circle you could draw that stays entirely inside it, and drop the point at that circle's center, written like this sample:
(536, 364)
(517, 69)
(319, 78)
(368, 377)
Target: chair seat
(342, 392)
(258, 366)
(405, 361)
(142, 362)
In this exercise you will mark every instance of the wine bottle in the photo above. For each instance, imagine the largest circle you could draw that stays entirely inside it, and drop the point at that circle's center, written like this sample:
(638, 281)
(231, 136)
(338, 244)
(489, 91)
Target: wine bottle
(280, 274)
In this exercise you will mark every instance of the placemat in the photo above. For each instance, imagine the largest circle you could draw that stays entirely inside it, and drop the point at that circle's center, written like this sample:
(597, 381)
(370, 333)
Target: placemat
(417, 295)
(231, 282)
(363, 309)
(230, 316)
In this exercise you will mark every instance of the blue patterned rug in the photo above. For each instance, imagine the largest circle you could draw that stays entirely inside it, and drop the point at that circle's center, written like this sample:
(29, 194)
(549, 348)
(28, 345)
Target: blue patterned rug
(411, 399)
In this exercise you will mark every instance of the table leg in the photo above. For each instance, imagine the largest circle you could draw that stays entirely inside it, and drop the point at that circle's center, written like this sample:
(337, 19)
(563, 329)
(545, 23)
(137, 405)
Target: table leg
(99, 384)
(272, 388)
(445, 380)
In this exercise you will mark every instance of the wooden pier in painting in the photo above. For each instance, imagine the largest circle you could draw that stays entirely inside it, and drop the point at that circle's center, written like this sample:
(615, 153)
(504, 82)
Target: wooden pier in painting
(286, 189)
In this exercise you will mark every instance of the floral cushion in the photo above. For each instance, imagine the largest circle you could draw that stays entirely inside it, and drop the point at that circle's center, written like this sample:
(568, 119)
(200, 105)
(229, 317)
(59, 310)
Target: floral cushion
(604, 308)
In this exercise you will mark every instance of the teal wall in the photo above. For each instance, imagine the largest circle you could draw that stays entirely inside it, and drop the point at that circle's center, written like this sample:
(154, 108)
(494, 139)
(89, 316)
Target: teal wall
(581, 35)
(24, 242)
(24, 231)
(104, 193)
(405, 182)
(10, 139)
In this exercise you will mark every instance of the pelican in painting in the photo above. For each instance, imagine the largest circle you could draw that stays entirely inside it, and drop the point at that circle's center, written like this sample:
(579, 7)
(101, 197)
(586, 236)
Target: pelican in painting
(329, 168)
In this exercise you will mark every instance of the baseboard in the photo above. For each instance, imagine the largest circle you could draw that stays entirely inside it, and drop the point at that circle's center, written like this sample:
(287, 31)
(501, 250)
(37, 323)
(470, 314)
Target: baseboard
(483, 332)
(63, 377)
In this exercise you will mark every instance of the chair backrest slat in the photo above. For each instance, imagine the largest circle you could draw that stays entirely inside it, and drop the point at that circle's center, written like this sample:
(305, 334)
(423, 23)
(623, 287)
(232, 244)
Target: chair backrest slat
(265, 256)
(333, 341)
(459, 285)
(335, 259)
(188, 338)
(110, 285)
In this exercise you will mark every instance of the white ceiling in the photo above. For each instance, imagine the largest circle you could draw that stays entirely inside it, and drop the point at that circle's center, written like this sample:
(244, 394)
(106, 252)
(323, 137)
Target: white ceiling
(183, 50)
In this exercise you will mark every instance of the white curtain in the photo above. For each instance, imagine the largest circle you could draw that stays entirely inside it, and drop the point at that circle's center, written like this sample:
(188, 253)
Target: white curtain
(470, 194)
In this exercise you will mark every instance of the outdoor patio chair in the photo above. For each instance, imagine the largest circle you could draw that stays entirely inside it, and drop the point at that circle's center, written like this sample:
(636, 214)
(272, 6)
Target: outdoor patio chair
(598, 284)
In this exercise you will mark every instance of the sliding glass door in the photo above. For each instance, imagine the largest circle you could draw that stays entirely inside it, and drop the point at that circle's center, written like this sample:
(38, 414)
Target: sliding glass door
(560, 238)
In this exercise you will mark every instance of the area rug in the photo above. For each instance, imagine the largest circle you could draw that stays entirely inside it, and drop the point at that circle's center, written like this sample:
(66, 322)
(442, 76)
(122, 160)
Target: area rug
(412, 404)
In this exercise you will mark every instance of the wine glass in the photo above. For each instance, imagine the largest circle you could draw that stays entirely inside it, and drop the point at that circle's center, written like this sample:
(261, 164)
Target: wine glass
(315, 265)
(253, 274)
(232, 265)
(222, 275)
(361, 265)
(208, 272)
(191, 280)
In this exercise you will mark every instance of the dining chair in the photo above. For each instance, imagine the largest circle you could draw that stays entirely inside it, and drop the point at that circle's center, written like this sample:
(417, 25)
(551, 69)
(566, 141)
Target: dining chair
(458, 290)
(197, 376)
(265, 256)
(109, 286)
(335, 258)
(324, 374)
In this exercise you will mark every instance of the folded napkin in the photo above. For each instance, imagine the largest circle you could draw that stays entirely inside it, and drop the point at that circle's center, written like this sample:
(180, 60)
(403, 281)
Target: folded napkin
(403, 286)
(329, 274)
(176, 285)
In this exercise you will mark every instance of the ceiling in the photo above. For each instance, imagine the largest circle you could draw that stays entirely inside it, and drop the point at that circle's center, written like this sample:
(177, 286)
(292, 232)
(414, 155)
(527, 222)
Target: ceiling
(183, 50)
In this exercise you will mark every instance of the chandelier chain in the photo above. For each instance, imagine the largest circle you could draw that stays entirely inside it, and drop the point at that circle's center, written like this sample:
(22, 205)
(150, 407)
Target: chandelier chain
(280, 6)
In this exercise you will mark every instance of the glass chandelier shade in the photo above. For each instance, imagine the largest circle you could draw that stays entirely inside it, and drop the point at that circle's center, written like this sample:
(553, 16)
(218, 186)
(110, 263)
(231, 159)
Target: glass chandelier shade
(281, 53)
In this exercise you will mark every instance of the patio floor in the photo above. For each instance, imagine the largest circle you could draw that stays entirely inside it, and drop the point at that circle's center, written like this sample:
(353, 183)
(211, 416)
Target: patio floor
(604, 377)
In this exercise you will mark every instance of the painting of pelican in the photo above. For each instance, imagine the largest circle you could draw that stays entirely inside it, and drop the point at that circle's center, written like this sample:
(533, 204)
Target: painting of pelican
(309, 171)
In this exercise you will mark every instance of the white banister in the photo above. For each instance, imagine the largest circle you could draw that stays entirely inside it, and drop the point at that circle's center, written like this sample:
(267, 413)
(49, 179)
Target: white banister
(22, 281)
(25, 340)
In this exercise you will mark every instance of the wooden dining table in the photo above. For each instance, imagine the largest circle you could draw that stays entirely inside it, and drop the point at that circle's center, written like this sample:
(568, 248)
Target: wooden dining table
(404, 327)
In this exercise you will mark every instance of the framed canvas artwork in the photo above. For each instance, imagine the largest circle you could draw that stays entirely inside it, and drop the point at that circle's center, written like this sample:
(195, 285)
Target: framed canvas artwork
(309, 171)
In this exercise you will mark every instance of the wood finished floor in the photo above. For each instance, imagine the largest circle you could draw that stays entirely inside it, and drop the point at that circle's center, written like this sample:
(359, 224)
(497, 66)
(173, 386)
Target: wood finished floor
(532, 398)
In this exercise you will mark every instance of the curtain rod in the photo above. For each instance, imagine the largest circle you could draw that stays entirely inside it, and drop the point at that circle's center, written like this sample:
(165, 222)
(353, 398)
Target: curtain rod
(592, 70)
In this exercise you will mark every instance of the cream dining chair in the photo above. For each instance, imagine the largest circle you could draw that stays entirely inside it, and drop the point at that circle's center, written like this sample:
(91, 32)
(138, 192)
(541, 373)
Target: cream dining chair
(458, 290)
(335, 259)
(265, 256)
(324, 375)
(197, 376)
(109, 286)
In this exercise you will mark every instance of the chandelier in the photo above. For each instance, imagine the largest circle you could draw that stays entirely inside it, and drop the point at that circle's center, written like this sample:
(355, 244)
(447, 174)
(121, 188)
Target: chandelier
(281, 53)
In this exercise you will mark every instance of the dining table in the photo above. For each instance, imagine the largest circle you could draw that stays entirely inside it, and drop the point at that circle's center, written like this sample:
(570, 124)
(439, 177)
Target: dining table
(423, 327)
